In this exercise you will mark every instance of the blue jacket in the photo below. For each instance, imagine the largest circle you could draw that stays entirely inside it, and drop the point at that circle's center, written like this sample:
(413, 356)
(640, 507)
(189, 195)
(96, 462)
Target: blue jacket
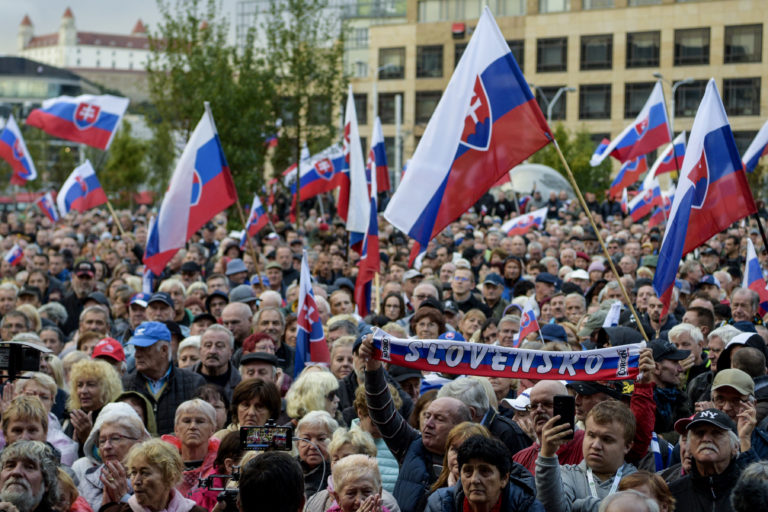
(415, 478)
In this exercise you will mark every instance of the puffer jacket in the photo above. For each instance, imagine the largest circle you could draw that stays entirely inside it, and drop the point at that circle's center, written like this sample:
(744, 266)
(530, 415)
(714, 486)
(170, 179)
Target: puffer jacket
(190, 478)
(388, 466)
(711, 493)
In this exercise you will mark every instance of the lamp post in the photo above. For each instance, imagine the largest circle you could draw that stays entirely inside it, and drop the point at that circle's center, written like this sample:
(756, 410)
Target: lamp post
(551, 103)
(674, 86)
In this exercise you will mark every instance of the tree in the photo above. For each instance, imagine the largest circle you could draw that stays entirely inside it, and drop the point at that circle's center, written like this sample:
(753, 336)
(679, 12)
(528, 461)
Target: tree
(577, 149)
(125, 165)
(191, 62)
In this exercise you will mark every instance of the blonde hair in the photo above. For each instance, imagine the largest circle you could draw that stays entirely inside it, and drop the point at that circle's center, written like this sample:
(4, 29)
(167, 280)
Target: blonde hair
(308, 393)
(40, 378)
(395, 329)
(355, 467)
(360, 440)
(344, 341)
(57, 369)
(342, 316)
(25, 408)
(104, 373)
(67, 488)
(166, 286)
(134, 282)
(163, 456)
(30, 311)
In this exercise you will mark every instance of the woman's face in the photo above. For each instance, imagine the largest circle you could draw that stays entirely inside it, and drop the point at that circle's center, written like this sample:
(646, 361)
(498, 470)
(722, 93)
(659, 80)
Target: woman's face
(452, 458)
(341, 362)
(343, 451)
(188, 357)
(148, 485)
(114, 442)
(290, 334)
(332, 402)
(470, 324)
(221, 412)
(392, 308)
(32, 388)
(113, 288)
(195, 309)
(354, 493)
(193, 428)
(252, 413)
(427, 329)
(88, 392)
(318, 435)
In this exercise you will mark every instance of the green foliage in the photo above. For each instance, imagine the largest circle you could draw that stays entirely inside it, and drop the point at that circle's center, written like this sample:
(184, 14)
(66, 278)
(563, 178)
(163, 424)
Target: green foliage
(125, 166)
(577, 149)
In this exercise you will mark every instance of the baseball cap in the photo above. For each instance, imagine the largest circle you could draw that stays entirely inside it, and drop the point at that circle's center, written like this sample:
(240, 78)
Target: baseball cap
(713, 417)
(736, 379)
(710, 279)
(494, 279)
(204, 316)
(401, 373)
(577, 274)
(161, 297)
(553, 332)
(520, 402)
(410, 274)
(649, 261)
(272, 236)
(149, 333)
(664, 350)
(109, 347)
(451, 307)
(242, 293)
(235, 266)
(546, 277)
(140, 299)
(595, 321)
(274, 264)
(84, 268)
(589, 388)
(190, 266)
(707, 251)
(681, 425)
(431, 302)
(259, 357)
(31, 290)
(451, 336)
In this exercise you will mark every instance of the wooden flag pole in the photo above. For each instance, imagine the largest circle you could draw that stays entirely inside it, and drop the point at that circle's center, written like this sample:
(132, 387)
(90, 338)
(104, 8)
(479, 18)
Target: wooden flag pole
(376, 293)
(600, 240)
(117, 221)
(251, 248)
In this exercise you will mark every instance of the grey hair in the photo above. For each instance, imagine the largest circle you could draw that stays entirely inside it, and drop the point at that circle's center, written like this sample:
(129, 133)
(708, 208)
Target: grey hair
(732, 437)
(170, 283)
(47, 461)
(693, 331)
(579, 296)
(257, 315)
(470, 392)
(220, 328)
(349, 327)
(54, 312)
(725, 333)
(196, 405)
(754, 298)
(9, 287)
(189, 341)
(98, 308)
(509, 319)
(650, 503)
(318, 418)
(610, 285)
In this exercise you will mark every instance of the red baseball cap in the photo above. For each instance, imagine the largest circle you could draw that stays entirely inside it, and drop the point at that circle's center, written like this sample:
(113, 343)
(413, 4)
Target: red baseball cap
(109, 347)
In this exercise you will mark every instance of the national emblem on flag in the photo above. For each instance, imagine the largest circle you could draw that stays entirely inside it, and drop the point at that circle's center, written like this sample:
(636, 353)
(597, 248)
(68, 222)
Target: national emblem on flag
(13, 150)
(47, 205)
(310, 339)
(81, 190)
(524, 223)
(15, 255)
(528, 321)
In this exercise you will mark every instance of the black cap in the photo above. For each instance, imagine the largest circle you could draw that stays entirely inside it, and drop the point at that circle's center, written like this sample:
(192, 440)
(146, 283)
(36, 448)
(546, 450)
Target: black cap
(174, 328)
(589, 388)
(190, 266)
(400, 373)
(215, 293)
(451, 307)
(31, 290)
(261, 357)
(713, 417)
(431, 302)
(84, 267)
(662, 349)
(99, 297)
(204, 316)
(161, 297)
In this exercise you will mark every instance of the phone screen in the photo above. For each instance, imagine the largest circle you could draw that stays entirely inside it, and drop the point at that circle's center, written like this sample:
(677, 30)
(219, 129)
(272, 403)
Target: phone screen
(565, 407)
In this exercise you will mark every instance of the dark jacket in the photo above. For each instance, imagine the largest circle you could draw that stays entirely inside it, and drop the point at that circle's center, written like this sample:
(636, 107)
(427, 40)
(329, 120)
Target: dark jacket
(507, 431)
(711, 493)
(700, 389)
(518, 496)
(74, 306)
(348, 386)
(234, 377)
(181, 386)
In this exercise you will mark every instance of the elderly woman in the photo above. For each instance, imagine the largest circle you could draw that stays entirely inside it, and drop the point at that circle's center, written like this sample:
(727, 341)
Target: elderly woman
(341, 357)
(357, 485)
(427, 323)
(193, 431)
(312, 391)
(154, 468)
(117, 428)
(486, 482)
(92, 385)
(253, 403)
(313, 434)
(189, 352)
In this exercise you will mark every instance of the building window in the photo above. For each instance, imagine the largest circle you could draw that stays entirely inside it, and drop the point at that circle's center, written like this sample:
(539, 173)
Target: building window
(741, 96)
(517, 47)
(361, 107)
(426, 102)
(394, 60)
(546, 94)
(317, 112)
(552, 54)
(389, 147)
(98, 63)
(360, 69)
(546, 6)
(458, 51)
(743, 139)
(595, 101)
(596, 4)
(597, 52)
(635, 3)
(688, 97)
(509, 7)
(643, 49)
(358, 38)
(387, 107)
(691, 46)
(743, 43)
(635, 96)
(78, 62)
(429, 61)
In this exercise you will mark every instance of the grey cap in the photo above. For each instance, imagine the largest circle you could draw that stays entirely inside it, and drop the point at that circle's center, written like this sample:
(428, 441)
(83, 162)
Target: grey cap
(242, 293)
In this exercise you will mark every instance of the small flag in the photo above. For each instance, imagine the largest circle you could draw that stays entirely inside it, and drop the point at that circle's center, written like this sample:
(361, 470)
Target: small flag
(15, 256)
(528, 321)
(14, 151)
(47, 205)
(753, 277)
(524, 223)
(81, 190)
(310, 339)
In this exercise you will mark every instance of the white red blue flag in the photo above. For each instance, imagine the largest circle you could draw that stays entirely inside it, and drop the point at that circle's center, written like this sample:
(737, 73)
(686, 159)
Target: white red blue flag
(524, 223)
(754, 278)
(486, 122)
(712, 192)
(354, 204)
(88, 119)
(200, 188)
(81, 191)
(649, 130)
(376, 165)
(624, 202)
(646, 199)
(47, 205)
(320, 173)
(660, 213)
(148, 281)
(15, 255)
(257, 219)
(528, 321)
(310, 339)
(756, 149)
(600, 150)
(14, 151)
(369, 258)
(671, 159)
(629, 174)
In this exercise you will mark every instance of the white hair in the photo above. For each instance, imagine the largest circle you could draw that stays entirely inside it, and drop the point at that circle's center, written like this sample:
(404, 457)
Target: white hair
(690, 329)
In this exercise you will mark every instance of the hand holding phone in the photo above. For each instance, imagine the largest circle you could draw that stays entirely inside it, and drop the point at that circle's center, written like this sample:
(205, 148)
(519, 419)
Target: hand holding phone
(565, 407)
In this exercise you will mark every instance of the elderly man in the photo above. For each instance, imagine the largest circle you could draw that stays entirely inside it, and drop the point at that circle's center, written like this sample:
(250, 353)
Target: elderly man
(259, 365)
(236, 317)
(8, 292)
(83, 284)
(493, 287)
(164, 385)
(160, 308)
(271, 321)
(216, 347)
(575, 307)
(416, 452)
(28, 478)
(95, 318)
(688, 337)
(744, 304)
(13, 323)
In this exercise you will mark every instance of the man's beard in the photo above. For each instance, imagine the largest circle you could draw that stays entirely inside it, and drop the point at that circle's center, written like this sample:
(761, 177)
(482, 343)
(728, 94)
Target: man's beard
(24, 500)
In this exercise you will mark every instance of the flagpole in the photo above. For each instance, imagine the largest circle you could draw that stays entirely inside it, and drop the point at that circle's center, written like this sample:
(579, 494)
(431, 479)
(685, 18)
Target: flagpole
(376, 293)
(248, 239)
(762, 231)
(600, 239)
(117, 221)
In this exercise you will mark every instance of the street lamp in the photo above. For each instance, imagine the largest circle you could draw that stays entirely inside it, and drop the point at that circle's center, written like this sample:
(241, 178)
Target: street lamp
(551, 103)
(674, 86)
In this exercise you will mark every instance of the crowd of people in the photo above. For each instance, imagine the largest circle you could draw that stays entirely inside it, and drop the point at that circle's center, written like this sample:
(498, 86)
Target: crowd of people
(140, 396)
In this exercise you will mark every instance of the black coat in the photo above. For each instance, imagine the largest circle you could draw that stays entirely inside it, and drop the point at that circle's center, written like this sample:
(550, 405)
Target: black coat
(711, 493)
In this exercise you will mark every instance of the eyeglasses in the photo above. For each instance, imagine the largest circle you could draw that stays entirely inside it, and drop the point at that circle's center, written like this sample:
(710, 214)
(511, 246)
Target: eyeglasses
(735, 403)
(115, 439)
(421, 296)
(461, 279)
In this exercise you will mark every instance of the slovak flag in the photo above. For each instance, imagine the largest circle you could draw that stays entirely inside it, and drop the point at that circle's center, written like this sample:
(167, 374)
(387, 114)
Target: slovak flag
(354, 201)
(647, 197)
(524, 223)
(671, 159)
(310, 339)
(14, 151)
(486, 122)
(629, 174)
(756, 149)
(47, 205)
(319, 173)
(257, 219)
(369, 258)
(377, 159)
(15, 256)
(528, 321)
(649, 130)
(753, 277)
(88, 119)
(660, 213)
(201, 187)
(624, 202)
(711, 195)
(81, 191)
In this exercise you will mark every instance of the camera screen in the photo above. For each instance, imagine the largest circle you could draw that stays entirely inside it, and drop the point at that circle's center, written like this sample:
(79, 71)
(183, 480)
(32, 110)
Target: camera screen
(263, 438)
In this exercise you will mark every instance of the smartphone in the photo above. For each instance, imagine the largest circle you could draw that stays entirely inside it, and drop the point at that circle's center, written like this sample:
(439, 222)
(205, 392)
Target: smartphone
(565, 407)
(268, 437)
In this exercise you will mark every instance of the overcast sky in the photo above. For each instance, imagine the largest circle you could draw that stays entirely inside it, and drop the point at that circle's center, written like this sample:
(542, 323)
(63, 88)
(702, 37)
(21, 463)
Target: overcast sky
(110, 16)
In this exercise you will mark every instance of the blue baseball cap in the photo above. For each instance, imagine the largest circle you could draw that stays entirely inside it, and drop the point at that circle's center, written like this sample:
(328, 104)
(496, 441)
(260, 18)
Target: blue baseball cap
(141, 299)
(149, 333)
(451, 336)
(553, 332)
(494, 279)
